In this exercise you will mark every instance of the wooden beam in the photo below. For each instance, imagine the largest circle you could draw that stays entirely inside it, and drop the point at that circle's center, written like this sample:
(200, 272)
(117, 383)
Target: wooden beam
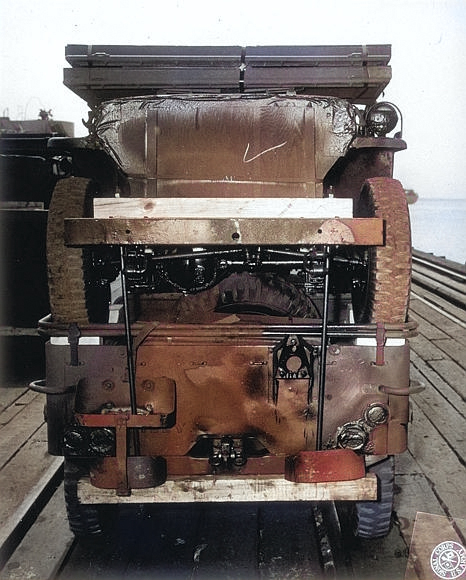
(28, 560)
(234, 208)
(236, 489)
(224, 231)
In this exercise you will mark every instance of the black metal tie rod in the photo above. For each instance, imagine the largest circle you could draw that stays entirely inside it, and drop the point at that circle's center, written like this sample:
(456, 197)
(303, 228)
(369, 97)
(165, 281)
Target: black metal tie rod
(129, 338)
(323, 350)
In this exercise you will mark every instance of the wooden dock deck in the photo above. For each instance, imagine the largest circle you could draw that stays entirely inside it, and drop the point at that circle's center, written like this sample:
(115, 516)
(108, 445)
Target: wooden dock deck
(430, 476)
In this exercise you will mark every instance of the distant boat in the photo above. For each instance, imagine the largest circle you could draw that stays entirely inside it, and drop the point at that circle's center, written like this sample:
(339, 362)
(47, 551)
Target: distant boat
(411, 195)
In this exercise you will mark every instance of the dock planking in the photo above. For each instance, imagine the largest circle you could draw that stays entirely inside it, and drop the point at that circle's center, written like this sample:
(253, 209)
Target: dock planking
(30, 560)
(18, 424)
(8, 397)
(431, 475)
(26, 469)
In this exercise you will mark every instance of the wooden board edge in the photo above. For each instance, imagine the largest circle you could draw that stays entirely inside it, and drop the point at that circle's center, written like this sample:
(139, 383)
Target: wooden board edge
(235, 489)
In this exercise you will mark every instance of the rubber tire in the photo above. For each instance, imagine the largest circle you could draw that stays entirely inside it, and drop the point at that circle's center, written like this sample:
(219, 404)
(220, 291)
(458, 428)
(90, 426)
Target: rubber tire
(67, 292)
(248, 293)
(372, 519)
(84, 519)
(266, 293)
(389, 275)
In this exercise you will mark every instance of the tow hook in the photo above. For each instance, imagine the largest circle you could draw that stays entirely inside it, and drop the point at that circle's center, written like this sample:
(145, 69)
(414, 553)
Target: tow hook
(227, 452)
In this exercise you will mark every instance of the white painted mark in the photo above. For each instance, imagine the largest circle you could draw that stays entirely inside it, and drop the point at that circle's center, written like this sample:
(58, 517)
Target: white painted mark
(197, 553)
(261, 153)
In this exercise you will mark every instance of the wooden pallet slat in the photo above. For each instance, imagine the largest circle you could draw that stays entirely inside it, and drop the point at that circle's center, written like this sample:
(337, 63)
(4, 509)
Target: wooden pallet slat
(236, 489)
(224, 232)
(226, 207)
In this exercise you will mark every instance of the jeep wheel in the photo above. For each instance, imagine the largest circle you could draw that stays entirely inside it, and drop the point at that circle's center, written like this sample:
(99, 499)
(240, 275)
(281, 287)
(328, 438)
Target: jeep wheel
(381, 288)
(263, 294)
(72, 297)
(84, 520)
(249, 294)
(64, 264)
(373, 518)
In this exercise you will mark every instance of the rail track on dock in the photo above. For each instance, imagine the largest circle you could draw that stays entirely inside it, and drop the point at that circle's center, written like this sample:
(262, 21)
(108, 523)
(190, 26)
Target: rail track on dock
(442, 278)
(255, 541)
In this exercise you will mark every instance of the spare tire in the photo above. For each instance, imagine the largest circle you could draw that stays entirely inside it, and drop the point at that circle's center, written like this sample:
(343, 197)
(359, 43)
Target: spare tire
(249, 294)
(263, 294)
(64, 264)
(73, 295)
(381, 291)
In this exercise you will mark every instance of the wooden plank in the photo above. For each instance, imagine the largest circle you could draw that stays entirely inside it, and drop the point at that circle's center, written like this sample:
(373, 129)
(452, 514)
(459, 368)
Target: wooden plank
(18, 405)
(447, 418)
(321, 79)
(224, 232)
(441, 290)
(446, 327)
(437, 281)
(421, 313)
(17, 331)
(8, 395)
(426, 348)
(105, 83)
(428, 558)
(459, 334)
(233, 207)
(21, 428)
(453, 349)
(440, 302)
(236, 489)
(429, 375)
(406, 464)
(30, 469)
(453, 374)
(413, 493)
(439, 463)
(30, 560)
(455, 327)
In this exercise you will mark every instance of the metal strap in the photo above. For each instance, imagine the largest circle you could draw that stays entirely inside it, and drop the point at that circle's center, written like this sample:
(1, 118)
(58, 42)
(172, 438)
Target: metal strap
(380, 337)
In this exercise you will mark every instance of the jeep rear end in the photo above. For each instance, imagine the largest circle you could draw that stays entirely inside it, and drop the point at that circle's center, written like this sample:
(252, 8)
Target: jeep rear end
(229, 275)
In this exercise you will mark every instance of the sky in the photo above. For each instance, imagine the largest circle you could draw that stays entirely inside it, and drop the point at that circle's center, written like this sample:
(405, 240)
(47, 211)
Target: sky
(428, 39)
